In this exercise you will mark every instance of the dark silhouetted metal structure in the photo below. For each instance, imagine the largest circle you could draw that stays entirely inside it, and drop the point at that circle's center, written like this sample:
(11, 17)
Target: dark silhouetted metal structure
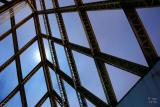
(94, 51)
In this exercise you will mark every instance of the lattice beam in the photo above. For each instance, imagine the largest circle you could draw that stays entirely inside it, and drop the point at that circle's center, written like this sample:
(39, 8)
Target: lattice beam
(129, 66)
(87, 94)
(103, 5)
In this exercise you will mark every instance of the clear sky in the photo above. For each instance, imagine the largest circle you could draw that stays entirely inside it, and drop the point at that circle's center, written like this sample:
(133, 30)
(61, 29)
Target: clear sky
(113, 33)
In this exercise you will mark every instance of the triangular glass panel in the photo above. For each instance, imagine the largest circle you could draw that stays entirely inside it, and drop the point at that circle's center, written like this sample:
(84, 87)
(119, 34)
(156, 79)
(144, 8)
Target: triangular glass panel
(121, 80)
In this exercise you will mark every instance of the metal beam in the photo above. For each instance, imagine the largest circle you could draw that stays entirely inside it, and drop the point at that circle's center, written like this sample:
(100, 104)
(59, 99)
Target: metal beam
(102, 71)
(129, 66)
(32, 72)
(42, 100)
(87, 94)
(9, 5)
(17, 60)
(4, 35)
(141, 34)
(69, 55)
(62, 90)
(11, 59)
(103, 5)
(43, 58)
(46, 95)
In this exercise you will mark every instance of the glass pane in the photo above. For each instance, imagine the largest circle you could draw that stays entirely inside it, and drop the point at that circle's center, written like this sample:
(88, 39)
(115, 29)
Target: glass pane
(4, 24)
(63, 3)
(89, 75)
(30, 58)
(151, 21)
(41, 19)
(116, 37)
(46, 103)
(15, 101)
(35, 88)
(47, 50)
(8, 80)
(54, 26)
(75, 29)
(6, 49)
(54, 81)
(38, 5)
(48, 4)
(22, 11)
(72, 97)
(62, 59)
(122, 81)
(24, 35)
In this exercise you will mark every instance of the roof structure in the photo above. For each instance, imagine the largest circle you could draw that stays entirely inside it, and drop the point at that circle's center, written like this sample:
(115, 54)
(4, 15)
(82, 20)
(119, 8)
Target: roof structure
(100, 58)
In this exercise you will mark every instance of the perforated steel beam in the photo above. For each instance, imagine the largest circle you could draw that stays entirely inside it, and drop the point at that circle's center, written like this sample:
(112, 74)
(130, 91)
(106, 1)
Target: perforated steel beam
(87, 94)
(69, 55)
(129, 66)
(62, 90)
(43, 58)
(104, 5)
(99, 57)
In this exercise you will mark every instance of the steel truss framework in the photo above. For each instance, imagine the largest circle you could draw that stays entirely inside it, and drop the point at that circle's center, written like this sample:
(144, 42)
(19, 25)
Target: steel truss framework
(94, 52)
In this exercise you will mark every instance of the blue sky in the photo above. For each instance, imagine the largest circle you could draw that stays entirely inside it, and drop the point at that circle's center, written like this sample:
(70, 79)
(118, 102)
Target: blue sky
(113, 33)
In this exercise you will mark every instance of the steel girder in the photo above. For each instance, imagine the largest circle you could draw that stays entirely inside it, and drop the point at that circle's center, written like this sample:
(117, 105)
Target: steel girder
(99, 57)
(103, 5)
(129, 66)
(54, 58)
(44, 58)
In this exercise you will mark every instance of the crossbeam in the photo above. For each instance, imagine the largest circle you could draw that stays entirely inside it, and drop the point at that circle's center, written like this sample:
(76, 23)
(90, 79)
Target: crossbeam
(129, 66)
(91, 97)
(102, 5)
